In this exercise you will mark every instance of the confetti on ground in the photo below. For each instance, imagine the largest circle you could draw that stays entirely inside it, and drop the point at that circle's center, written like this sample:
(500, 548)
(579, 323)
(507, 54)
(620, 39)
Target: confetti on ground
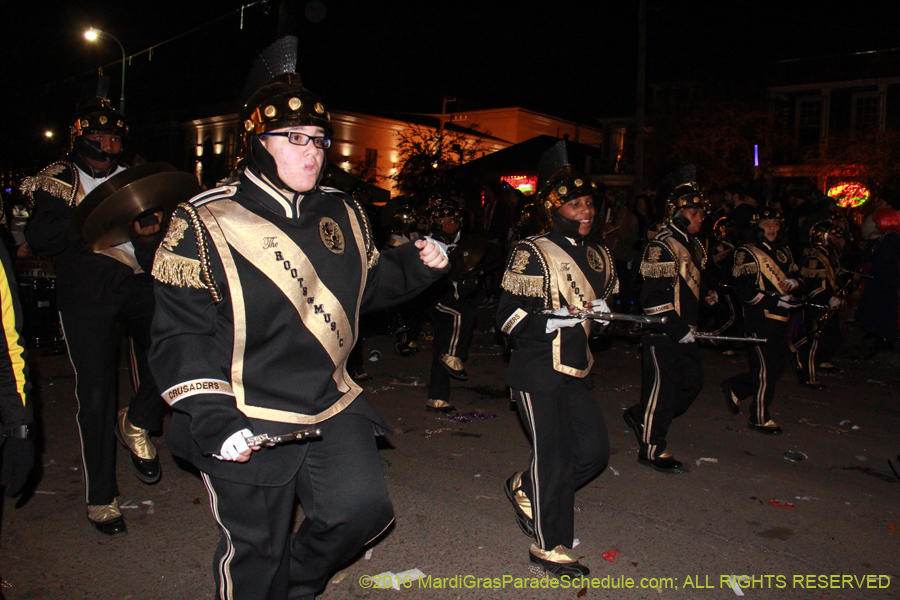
(338, 578)
(610, 555)
(732, 583)
(369, 553)
(613, 469)
(781, 504)
(706, 459)
(150, 506)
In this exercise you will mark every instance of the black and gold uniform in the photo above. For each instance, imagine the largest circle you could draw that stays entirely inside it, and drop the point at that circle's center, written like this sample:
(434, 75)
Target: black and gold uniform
(550, 367)
(672, 268)
(16, 410)
(820, 278)
(259, 290)
(764, 276)
(727, 318)
(96, 290)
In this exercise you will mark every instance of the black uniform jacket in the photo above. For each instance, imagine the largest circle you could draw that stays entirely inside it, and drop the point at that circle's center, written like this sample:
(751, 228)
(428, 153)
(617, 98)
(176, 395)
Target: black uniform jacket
(722, 260)
(15, 386)
(545, 273)
(254, 324)
(820, 273)
(83, 277)
(672, 267)
(759, 267)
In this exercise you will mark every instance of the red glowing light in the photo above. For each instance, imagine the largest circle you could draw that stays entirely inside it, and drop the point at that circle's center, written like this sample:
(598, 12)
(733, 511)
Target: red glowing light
(524, 183)
(849, 194)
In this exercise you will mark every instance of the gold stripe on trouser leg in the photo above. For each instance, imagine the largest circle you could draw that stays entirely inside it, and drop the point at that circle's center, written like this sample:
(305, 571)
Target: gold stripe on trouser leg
(812, 360)
(535, 480)
(761, 390)
(651, 406)
(87, 483)
(457, 327)
(133, 365)
(226, 591)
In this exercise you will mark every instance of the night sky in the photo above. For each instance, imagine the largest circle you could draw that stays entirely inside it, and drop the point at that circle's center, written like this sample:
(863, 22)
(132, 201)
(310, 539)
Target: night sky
(572, 59)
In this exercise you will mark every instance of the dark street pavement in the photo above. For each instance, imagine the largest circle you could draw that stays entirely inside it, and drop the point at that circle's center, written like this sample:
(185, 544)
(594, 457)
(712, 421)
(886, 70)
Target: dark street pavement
(742, 510)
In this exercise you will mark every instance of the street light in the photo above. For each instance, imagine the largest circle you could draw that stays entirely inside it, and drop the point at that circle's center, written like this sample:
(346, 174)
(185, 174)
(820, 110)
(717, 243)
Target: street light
(91, 35)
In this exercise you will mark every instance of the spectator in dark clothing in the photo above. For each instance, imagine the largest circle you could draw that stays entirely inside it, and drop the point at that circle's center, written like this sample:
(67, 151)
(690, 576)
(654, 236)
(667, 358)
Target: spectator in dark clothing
(877, 311)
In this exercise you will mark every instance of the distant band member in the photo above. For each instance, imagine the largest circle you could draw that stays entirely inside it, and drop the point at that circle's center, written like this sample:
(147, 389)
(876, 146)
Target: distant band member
(672, 372)
(764, 277)
(550, 279)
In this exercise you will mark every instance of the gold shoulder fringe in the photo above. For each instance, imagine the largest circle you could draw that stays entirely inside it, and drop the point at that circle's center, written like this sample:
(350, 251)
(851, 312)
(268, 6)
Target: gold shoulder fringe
(176, 270)
(523, 285)
(745, 269)
(374, 255)
(657, 270)
(47, 182)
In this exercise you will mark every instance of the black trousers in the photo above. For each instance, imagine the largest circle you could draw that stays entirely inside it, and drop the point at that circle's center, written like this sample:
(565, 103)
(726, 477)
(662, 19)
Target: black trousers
(767, 364)
(91, 339)
(813, 349)
(672, 378)
(454, 322)
(342, 491)
(569, 447)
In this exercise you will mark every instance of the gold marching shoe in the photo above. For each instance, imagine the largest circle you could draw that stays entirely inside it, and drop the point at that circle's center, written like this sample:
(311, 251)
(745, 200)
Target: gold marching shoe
(521, 504)
(455, 367)
(770, 427)
(441, 406)
(144, 459)
(557, 562)
(107, 519)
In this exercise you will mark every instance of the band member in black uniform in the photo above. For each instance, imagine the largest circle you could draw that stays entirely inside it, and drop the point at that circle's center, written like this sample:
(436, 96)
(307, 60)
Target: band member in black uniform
(820, 277)
(452, 312)
(727, 318)
(95, 290)
(549, 279)
(764, 277)
(259, 288)
(672, 267)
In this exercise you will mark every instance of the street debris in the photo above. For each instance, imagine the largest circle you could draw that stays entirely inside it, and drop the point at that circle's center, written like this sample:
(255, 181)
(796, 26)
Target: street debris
(150, 506)
(830, 428)
(795, 456)
(374, 355)
(781, 504)
(407, 381)
(849, 424)
(706, 459)
(613, 469)
(338, 578)
(610, 555)
(369, 553)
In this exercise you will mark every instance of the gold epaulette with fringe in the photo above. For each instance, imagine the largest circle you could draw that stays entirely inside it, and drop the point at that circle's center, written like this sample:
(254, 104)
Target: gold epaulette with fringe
(46, 181)
(659, 269)
(523, 285)
(173, 269)
(745, 269)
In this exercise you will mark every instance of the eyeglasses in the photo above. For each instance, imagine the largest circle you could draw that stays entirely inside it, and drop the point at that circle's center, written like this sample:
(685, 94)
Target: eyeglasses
(301, 139)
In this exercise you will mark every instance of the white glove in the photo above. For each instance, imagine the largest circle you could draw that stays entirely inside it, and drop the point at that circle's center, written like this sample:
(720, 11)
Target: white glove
(599, 305)
(784, 301)
(554, 324)
(234, 445)
(836, 302)
(790, 284)
(712, 297)
(688, 338)
(441, 246)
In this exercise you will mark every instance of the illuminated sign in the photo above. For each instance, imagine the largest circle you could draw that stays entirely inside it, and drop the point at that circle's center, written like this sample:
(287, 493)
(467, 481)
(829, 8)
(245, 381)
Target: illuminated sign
(524, 183)
(849, 194)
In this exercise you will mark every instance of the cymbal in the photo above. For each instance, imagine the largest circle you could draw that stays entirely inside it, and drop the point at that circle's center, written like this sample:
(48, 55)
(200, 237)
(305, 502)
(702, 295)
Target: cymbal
(105, 217)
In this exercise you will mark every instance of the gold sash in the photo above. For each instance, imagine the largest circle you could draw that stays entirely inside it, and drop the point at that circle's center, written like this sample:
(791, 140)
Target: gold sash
(686, 269)
(769, 268)
(271, 251)
(570, 282)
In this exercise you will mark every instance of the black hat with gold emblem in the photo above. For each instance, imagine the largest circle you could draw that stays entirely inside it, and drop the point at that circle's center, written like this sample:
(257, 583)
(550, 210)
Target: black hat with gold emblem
(766, 213)
(559, 182)
(274, 98)
(94, 114)
(824, 232)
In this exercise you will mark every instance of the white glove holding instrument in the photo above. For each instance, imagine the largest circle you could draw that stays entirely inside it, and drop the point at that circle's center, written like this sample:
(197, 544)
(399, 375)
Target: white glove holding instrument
(785, 302)
(235, 447)
(688, 338)
(599, 305)
(789, 285)
(836, 302)
(554, 324)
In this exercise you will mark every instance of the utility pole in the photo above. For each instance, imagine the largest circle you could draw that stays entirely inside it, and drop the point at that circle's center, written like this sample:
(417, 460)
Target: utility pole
(641, 97)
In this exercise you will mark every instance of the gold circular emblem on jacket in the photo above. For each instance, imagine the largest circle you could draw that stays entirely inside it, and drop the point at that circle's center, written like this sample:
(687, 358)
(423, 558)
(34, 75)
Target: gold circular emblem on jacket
(270, 111)
(595, 260)
(331, 235)
(294, 103)
(781, 255)
(102, 119)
